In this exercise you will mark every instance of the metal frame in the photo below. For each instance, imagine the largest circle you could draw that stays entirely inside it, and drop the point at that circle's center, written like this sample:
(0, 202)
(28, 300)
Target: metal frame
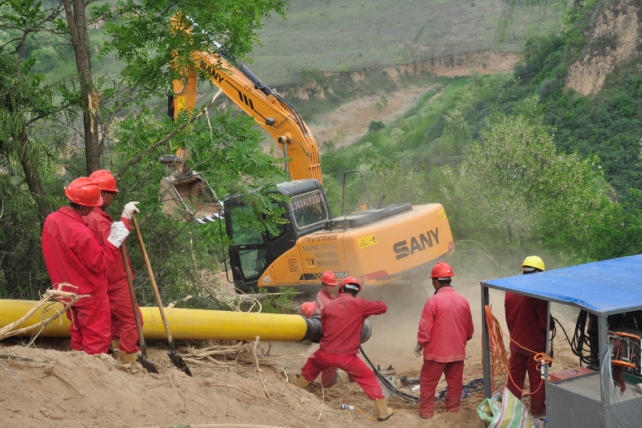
(343, 189)
(602, 340)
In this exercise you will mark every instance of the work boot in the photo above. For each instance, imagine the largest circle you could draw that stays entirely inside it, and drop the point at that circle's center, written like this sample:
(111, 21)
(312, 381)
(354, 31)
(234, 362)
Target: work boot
(291, 377)
(383, 411)
(113, 347)
(126, 358)
(302, 382)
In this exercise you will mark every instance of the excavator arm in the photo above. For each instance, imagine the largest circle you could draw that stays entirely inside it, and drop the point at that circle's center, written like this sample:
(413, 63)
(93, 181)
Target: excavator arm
(271, 111)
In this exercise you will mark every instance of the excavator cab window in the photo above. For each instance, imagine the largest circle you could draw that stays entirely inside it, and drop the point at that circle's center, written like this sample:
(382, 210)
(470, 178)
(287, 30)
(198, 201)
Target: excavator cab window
(247, 242)
(309, 209)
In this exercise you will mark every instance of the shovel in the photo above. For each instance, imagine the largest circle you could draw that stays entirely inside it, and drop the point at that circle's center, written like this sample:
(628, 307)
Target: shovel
(146, 362)
(176, 359)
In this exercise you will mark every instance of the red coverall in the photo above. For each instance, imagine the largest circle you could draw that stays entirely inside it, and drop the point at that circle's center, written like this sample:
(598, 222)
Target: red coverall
(526, 320)
(445, 326)
(123, 323)
(322, 300)
(342, 321)
(329, 375)
(73, 254)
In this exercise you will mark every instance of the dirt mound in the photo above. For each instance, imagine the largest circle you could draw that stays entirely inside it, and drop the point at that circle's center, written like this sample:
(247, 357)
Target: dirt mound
(55, 388)
(72, 389)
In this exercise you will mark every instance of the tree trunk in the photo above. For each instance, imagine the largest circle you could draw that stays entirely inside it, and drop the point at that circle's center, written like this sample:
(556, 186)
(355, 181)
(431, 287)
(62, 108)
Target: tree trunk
(32, 176)
(77, 22)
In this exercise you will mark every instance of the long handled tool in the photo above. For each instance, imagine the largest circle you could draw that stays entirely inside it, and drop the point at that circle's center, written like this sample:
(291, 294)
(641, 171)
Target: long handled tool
(146, 362)
(176, 359)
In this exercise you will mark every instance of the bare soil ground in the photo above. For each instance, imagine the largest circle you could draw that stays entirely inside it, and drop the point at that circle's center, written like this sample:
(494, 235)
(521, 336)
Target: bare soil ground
(70, 389)
(350, 122)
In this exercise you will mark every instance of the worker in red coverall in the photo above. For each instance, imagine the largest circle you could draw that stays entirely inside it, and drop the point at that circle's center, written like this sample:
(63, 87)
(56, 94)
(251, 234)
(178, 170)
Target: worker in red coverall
(526, 320)
(326, 295)
(73, 255)
(342, 321)
(446, 325)
(124, 334)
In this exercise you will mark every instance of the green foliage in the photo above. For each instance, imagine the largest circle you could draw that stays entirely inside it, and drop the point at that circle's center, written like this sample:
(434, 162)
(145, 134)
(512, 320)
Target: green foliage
(521, 164)
(39, 152)
(227, 150)
(606, 125)
(142, 40)
(375, 126)
(24, 275)
(278, 302)
(515, 190)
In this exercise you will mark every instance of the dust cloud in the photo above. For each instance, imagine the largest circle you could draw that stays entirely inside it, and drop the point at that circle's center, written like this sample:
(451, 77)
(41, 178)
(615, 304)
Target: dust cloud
(394, 334)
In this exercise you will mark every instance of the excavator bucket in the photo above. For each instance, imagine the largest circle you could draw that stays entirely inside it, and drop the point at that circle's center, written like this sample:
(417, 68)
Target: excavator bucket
(186, 194)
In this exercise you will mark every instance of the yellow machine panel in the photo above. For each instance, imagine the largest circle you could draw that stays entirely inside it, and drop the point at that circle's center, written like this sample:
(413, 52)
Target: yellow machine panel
(398, 246)
(375, 253)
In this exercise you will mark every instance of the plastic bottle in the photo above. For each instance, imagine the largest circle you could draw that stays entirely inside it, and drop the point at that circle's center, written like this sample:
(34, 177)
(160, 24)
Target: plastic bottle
(543, 368)
(344, 406)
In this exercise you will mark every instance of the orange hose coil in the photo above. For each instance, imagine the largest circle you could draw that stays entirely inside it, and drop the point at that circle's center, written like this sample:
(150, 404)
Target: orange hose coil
(498, 357)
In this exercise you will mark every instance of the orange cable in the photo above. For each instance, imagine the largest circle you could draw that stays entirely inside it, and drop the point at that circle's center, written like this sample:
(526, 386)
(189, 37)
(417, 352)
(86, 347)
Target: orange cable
(367, 416)
(499, 358)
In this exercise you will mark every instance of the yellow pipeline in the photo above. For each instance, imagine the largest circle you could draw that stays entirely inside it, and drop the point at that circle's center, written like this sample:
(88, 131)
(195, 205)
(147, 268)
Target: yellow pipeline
(184, 323)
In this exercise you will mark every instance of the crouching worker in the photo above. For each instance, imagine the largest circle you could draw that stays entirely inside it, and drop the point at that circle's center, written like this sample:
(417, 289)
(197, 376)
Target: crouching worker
(325, 296)
(342, 321)
(446, 325)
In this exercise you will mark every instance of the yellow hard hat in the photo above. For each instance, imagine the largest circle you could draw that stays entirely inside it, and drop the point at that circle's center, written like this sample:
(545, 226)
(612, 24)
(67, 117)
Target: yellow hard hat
(534, 262)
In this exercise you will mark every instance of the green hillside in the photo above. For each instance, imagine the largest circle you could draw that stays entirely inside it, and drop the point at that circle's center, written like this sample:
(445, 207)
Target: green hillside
(344, 35)
(521, 163)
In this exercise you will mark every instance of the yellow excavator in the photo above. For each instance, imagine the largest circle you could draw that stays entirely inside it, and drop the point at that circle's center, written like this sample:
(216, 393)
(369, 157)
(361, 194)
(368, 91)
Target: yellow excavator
(377, 244)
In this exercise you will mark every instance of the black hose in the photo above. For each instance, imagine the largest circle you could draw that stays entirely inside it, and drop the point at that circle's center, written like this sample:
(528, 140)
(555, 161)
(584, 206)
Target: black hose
(406, 397)
(581, 342)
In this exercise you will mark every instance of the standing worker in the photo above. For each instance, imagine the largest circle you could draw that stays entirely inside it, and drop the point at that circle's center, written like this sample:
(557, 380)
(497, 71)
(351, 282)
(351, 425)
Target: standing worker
(342, 321)
(446, 325)
(73, 255)
(124, 334)
(526, 320)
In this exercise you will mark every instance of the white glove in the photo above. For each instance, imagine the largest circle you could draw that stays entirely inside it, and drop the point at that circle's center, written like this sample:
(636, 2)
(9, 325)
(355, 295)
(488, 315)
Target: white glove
(418, 350)
(118, 233)
(130, 209)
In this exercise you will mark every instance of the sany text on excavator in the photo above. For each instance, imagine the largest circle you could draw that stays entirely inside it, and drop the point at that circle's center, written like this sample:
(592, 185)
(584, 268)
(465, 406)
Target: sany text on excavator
(377, 245)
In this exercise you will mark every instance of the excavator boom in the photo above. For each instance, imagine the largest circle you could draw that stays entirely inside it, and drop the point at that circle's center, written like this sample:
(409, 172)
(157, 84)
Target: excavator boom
(271, 111)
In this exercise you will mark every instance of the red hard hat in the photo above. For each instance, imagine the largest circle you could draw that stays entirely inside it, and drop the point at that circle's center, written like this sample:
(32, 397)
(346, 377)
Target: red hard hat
(329, 278)
(307, 309)
(84, 191)
(105, 180)
(346, 283)
(442, 270)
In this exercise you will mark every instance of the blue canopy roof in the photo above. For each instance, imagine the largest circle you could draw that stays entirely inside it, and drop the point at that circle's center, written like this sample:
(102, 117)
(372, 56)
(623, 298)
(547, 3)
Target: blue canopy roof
(604, 288)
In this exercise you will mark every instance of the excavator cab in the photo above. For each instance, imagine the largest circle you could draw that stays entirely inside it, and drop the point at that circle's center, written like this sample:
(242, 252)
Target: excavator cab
(185, 193)
(252, 251)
